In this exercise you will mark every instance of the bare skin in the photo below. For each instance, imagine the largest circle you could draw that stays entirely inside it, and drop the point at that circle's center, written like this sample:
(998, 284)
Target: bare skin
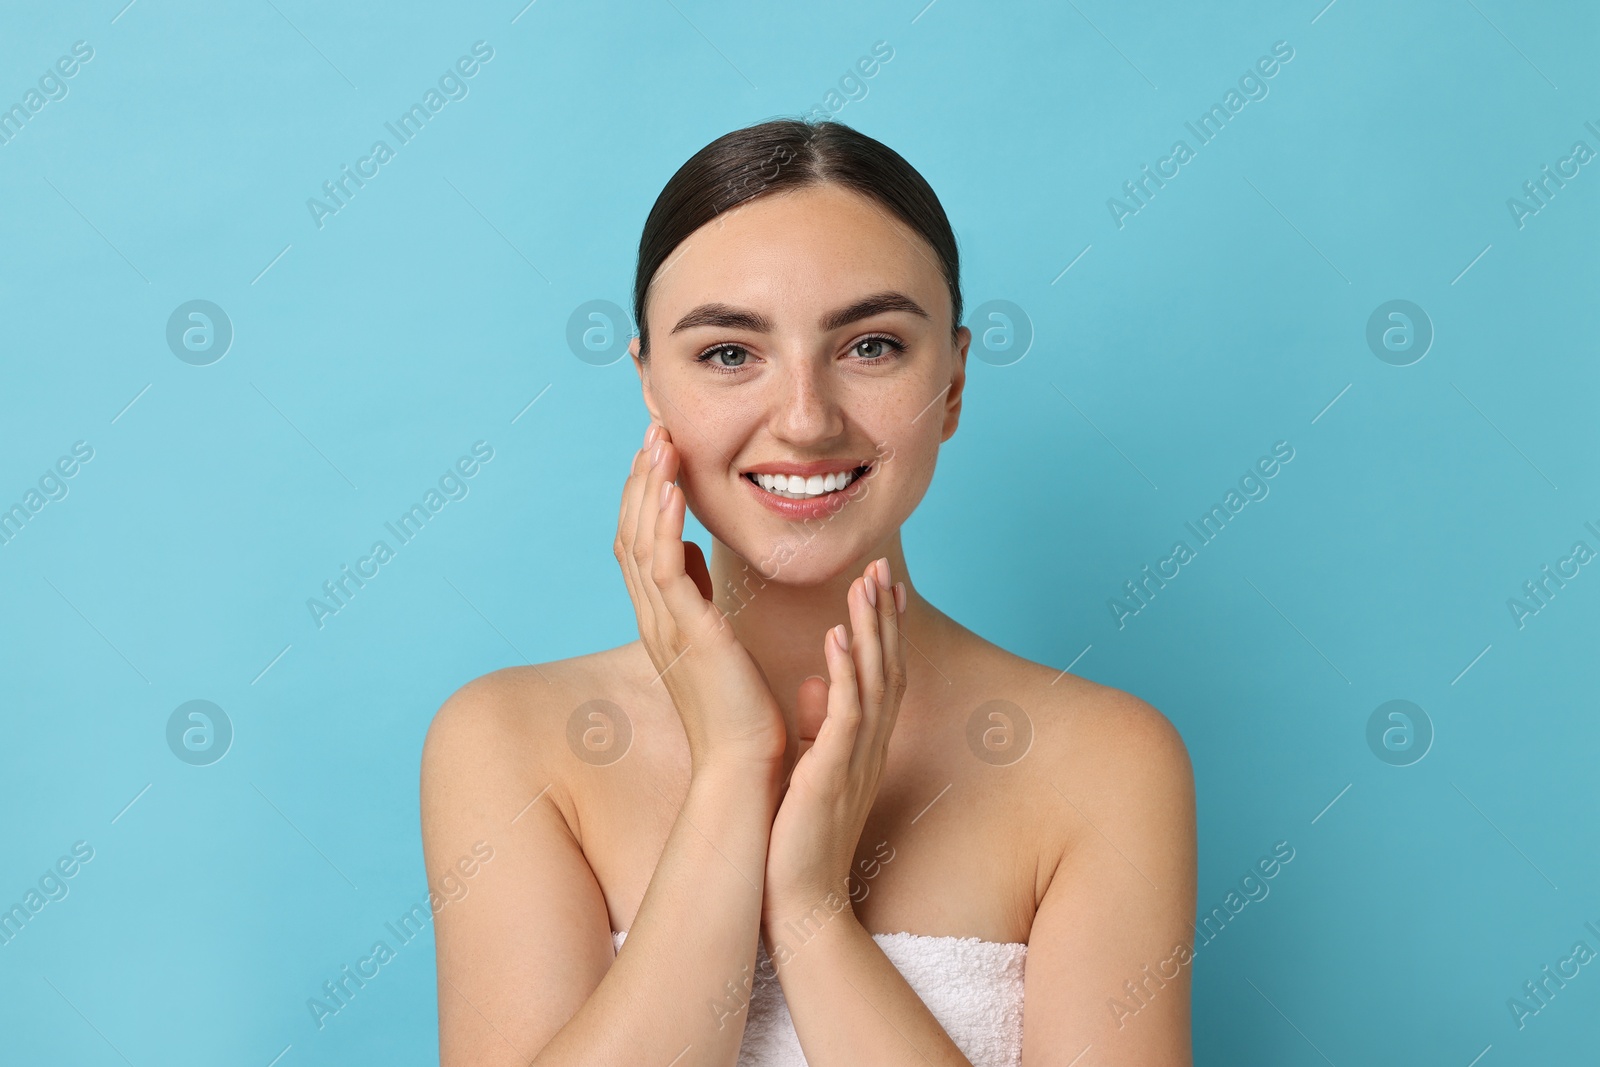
(772, 766)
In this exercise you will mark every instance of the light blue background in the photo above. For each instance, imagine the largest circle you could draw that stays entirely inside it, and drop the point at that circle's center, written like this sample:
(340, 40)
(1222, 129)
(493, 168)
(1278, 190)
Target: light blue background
(1226, 315)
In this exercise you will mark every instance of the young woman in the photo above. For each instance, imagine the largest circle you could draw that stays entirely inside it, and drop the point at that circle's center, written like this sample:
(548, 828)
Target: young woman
(818, 815)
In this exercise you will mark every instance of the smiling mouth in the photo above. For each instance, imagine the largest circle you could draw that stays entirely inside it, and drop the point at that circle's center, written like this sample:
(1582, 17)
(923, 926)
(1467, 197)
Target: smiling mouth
(796, 487)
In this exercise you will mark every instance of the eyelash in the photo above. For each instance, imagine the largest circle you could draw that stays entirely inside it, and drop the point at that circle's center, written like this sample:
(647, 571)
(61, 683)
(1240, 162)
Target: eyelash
(896, 346)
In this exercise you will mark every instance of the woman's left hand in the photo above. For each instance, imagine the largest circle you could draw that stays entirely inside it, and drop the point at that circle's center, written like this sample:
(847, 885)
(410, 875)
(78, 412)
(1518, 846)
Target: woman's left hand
(835, 783)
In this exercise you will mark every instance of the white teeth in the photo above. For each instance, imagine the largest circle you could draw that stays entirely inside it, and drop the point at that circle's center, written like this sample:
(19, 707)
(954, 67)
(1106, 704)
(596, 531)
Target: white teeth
(796, 487)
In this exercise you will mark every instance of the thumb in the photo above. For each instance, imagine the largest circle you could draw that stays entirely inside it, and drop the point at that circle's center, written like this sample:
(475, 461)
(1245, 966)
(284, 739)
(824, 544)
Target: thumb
(811, 708)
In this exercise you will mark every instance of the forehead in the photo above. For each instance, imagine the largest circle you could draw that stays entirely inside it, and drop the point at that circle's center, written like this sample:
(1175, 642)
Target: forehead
(795, 254)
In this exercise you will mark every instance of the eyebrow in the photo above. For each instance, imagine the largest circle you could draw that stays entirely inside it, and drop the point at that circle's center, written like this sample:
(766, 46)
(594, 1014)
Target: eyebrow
(727, 316)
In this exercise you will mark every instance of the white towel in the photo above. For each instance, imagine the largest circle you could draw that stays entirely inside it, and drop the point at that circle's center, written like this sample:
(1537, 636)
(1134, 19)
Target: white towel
(973, 987)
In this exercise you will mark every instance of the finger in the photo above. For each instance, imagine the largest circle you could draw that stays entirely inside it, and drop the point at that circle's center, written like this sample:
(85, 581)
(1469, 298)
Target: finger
(663, 461)
(866, 647)
(886, 617)
(836, 739)
(622, 547)
(878, 688)
(633, 488)
(668, 572)
(811, 704)
(628, 520)
(888, 624)
(900, 676)
(655, 623)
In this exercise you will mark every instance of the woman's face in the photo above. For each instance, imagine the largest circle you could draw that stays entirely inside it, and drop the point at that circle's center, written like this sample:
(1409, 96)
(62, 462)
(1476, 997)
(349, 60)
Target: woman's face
(804, 336)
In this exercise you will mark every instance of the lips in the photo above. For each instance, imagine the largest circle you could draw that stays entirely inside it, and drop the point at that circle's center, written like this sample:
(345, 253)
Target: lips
(806, 490)
(797, 487)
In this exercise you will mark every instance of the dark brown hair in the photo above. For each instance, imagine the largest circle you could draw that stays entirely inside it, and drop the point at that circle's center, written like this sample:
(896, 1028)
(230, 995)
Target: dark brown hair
(785, 154)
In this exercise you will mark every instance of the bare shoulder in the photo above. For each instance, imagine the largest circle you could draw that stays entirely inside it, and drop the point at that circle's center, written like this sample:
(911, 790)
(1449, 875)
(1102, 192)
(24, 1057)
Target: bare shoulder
(1111, 778)
(1129, 771)
(500, 829)
(519, 701)
(1093, 731)
(495, 733)
(1117, 736)
(1103, 765)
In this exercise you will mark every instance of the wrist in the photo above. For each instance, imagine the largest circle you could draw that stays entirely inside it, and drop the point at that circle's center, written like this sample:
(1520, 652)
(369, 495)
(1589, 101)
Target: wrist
(741, 778)
(799, 910)
(788, 928)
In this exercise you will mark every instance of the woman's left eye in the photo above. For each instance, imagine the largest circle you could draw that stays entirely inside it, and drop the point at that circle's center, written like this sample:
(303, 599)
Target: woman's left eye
(878, 348)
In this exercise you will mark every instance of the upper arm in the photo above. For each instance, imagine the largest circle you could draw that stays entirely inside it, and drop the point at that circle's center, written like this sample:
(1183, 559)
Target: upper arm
(522, 941)
(1109, 950)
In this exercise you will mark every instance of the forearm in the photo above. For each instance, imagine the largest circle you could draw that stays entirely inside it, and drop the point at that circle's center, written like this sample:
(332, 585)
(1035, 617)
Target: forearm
(677, 991)
(850, 1005)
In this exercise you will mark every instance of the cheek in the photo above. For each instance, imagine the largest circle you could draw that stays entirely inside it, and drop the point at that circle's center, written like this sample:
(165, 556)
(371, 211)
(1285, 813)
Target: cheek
(705, 446)
(908, 446)
(909, 469)
(700, 470)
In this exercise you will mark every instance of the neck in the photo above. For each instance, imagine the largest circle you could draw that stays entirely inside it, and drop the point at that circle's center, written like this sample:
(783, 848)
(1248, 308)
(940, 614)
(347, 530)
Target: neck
(782, 625)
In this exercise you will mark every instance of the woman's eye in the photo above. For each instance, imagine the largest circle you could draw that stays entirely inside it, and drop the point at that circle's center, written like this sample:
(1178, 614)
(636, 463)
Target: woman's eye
(725, 356)
(874, 349)
(868, 350)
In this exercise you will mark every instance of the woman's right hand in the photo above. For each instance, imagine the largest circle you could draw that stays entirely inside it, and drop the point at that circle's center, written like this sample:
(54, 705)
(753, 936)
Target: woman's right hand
(729, 713)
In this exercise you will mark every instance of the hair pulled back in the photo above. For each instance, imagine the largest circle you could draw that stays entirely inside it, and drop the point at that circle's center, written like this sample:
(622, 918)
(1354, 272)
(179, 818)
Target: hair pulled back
(785, 154)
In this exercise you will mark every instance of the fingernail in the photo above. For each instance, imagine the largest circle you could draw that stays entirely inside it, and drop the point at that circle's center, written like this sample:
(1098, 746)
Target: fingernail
(652, 433)
(883, 573)
(871, 589)
(666, 491)
(841, 637)
(900, 596)
(655, 455)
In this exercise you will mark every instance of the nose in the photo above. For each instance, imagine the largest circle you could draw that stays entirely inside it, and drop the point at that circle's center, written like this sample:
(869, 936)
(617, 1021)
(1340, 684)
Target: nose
(805, 409)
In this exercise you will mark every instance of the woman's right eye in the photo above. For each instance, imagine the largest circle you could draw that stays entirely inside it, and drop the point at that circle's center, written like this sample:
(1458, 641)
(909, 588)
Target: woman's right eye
(725, 356)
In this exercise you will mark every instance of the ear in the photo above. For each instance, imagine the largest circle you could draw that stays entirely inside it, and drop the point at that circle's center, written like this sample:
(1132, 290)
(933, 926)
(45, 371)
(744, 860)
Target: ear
(644, 380)
(958, 382)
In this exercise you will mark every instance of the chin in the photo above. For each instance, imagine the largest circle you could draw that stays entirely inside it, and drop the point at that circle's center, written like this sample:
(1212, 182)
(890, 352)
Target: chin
(800, 563)
(798, 553)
